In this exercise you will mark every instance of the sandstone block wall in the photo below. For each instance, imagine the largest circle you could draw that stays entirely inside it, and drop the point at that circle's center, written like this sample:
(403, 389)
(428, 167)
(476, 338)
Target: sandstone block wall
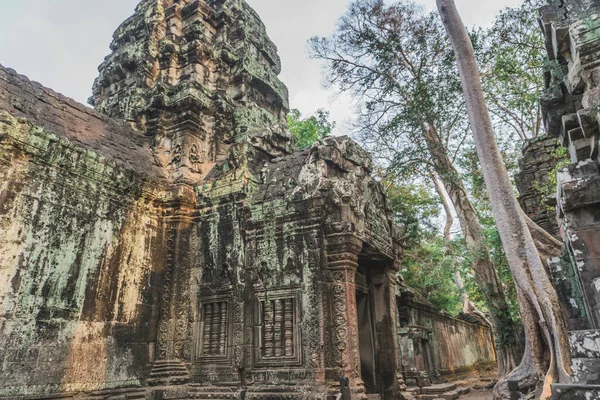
(183, 249)
(80, 246)
(537, 162)
(435, 346)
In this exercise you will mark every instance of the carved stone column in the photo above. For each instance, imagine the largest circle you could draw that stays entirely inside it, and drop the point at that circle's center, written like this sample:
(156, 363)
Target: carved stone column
(341, 322)
(397, 386)
(174, 340)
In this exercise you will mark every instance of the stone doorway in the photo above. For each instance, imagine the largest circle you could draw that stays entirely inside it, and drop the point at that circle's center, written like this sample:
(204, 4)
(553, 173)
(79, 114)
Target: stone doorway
(366, 334)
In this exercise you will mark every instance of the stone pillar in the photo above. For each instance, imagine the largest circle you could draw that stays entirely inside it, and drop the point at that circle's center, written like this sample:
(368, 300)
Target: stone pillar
(174, 341)
(341, 322)
(391, 274)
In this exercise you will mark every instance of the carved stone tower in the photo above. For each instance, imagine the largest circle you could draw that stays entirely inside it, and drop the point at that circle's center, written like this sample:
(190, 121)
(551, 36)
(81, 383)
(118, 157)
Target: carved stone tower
(195, 76)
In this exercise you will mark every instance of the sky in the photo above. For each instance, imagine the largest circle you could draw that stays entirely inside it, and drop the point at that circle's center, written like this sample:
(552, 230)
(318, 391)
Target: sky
(60, 43)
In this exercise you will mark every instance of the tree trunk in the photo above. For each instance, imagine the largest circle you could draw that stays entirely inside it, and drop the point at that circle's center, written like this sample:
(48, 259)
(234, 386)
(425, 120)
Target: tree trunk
(485, 273)
(447, 207)
(467, 305)
(547, 358)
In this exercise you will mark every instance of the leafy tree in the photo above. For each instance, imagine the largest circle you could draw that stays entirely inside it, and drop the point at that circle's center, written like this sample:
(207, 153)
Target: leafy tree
(547, 357)
(430, 262)
(429, 268)
(415, 208)
(511, 54)
(309, 130)
(397, 60)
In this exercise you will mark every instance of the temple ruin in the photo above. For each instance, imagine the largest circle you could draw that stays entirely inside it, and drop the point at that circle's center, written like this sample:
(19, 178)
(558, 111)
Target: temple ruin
(173, 244)
(570, 106)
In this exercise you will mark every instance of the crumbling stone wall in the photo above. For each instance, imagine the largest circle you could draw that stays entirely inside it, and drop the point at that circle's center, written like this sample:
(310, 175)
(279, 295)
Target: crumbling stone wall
(538, 160)
(436, 347)
(570, 106)
(80, 245)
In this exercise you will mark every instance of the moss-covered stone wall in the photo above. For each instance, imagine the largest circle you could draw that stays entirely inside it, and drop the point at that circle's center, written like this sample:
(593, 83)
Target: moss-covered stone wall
(80, 249)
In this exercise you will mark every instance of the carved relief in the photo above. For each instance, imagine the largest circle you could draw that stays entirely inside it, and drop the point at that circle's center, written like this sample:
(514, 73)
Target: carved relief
(218, 276)
(163, 335)
(177, 154)
(277, 335)
(213, 331)
(195, 155)
(340, 277)
(213, 337)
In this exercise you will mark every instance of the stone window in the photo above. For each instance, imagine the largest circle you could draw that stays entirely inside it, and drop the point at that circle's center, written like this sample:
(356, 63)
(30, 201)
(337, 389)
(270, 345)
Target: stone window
(277, 328)
(213, 333)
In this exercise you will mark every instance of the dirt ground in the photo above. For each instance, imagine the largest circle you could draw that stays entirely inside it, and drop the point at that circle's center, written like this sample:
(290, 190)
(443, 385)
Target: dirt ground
(484, 379)
(478, 395)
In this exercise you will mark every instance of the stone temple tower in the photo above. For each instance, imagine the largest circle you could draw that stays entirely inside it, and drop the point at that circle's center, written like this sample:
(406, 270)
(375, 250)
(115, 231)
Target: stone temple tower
(195, 76)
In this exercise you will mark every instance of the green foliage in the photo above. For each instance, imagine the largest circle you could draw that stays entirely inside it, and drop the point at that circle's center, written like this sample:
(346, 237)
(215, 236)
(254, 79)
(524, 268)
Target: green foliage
(309, 130)
(561, 154)
(396, 60)
(429, 269)
(563, 159)
(512, 56)
(416, 208)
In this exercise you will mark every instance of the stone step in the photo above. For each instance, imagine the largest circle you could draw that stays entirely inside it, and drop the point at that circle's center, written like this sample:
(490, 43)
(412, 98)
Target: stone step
(276, 392)
(168, 372)
(586, 370)
(200, 392)
(168, 381)
(165, 367)
(414, 390)
(168, 362)
(585, 344)
(442, 388)
(277, 395)
(575, 392)
(137, 393)
(374, 397)
(452, 395)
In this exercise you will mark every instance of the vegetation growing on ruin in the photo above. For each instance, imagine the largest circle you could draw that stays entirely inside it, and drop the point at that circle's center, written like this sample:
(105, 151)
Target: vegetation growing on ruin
(309, 130)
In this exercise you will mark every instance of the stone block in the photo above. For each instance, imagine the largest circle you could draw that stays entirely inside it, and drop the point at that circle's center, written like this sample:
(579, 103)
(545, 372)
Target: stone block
(575, 392)
(453, 395)
(442, 388)
(580, 149)
(463, 390)
(586, 370)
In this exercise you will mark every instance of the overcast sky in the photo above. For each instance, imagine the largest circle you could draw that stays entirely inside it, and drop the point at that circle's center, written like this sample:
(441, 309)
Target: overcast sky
(60, 43)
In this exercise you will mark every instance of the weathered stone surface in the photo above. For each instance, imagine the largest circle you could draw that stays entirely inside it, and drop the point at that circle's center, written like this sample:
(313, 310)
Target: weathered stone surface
(585, 344)
(441, 388)
(189, 252)
(571, 105)
(575, 392)
(196, 76)
(537, 161)
(435, 347)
